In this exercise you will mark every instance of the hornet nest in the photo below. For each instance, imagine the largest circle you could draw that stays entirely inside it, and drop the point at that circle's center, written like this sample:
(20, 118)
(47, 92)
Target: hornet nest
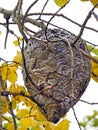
(56, 73)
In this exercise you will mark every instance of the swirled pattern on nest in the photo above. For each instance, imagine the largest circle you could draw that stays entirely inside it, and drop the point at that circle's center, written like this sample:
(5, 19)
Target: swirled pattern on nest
(57, 73)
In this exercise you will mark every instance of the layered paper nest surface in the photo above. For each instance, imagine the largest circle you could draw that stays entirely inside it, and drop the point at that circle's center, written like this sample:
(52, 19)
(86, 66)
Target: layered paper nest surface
(57, 71)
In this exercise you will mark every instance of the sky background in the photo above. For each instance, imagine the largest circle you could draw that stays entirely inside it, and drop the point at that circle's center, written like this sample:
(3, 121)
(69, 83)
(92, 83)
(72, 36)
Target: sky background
(75, 10)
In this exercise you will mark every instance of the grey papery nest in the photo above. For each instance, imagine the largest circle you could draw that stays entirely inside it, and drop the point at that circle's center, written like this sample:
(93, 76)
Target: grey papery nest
(56, 73)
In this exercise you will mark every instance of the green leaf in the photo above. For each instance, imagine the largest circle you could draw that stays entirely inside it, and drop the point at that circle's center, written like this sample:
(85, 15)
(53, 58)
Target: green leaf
(95, 51)
(83, 124)
(95, 122)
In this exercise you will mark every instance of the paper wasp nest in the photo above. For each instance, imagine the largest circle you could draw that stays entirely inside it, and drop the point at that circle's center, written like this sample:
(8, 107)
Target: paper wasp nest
(57, 73)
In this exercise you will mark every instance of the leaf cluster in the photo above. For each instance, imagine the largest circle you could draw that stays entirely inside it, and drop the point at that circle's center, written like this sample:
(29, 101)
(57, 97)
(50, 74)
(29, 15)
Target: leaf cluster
(94, 69)
(90, 121)
(94, 2)
(26, 113)
(61, 3)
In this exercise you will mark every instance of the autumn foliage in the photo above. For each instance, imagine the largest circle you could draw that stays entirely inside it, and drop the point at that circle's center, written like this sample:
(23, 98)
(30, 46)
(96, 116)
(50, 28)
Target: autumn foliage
(17, 110)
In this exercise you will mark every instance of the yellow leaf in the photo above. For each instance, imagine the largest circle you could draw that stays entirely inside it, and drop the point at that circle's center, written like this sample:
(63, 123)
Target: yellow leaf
(60, 3)
(18, 41)
(37, 125)
(94, 2)
(49, 126)
(13, 66)
(21, 89)
(12, 88)
(84, 0)
(13, 102)
(90, 47)
(4, 105)
(22, 128)
(18, 58)
(63, 125)
(22, 113)
(29, 103)
(19, 99)
(16, 88)
(8, 72)
(94, 69)
(4, 69)
(38, 115)
(10, 126)
(0, 88)
(26, 122)
(12, 76)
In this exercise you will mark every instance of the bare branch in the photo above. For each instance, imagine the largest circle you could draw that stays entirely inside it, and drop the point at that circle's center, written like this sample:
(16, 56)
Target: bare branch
(23, 20)
(82, 28)
(35, 22)
(0, 104)
(63, 16)
(5, 11)
(76, 118)
(43, 8)
(9, 103)
(95, 15)
(52, 18)
(83, 25)
(90, 103)
(88, 56)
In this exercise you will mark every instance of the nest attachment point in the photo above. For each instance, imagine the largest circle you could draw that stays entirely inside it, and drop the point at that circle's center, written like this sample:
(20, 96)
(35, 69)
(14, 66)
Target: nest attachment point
(56, 73)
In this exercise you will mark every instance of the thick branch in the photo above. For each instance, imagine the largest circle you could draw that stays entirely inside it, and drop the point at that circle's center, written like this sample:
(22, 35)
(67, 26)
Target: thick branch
(27, 19)
(5, 11)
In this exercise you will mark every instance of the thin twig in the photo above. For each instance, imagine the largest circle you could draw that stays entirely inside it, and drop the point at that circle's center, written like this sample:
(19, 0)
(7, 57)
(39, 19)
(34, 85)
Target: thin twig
(7, 93)
(76, 118)
(52, 18)
(63, 16)
(68, 31)
(43, 8)
(26, 13)
(82, 28)
(17, 16)
(7, 119)
(7, 17)
(88, 56)
(12, 113)
(95, 16)
(83, 25)
(90, 103)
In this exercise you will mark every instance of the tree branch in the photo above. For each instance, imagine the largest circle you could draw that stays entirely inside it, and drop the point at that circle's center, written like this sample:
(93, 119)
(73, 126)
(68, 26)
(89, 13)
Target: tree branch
(83, 25)
(63, 16)
(0, 104)
(76, 118)
(9, 104)
(90, 103)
